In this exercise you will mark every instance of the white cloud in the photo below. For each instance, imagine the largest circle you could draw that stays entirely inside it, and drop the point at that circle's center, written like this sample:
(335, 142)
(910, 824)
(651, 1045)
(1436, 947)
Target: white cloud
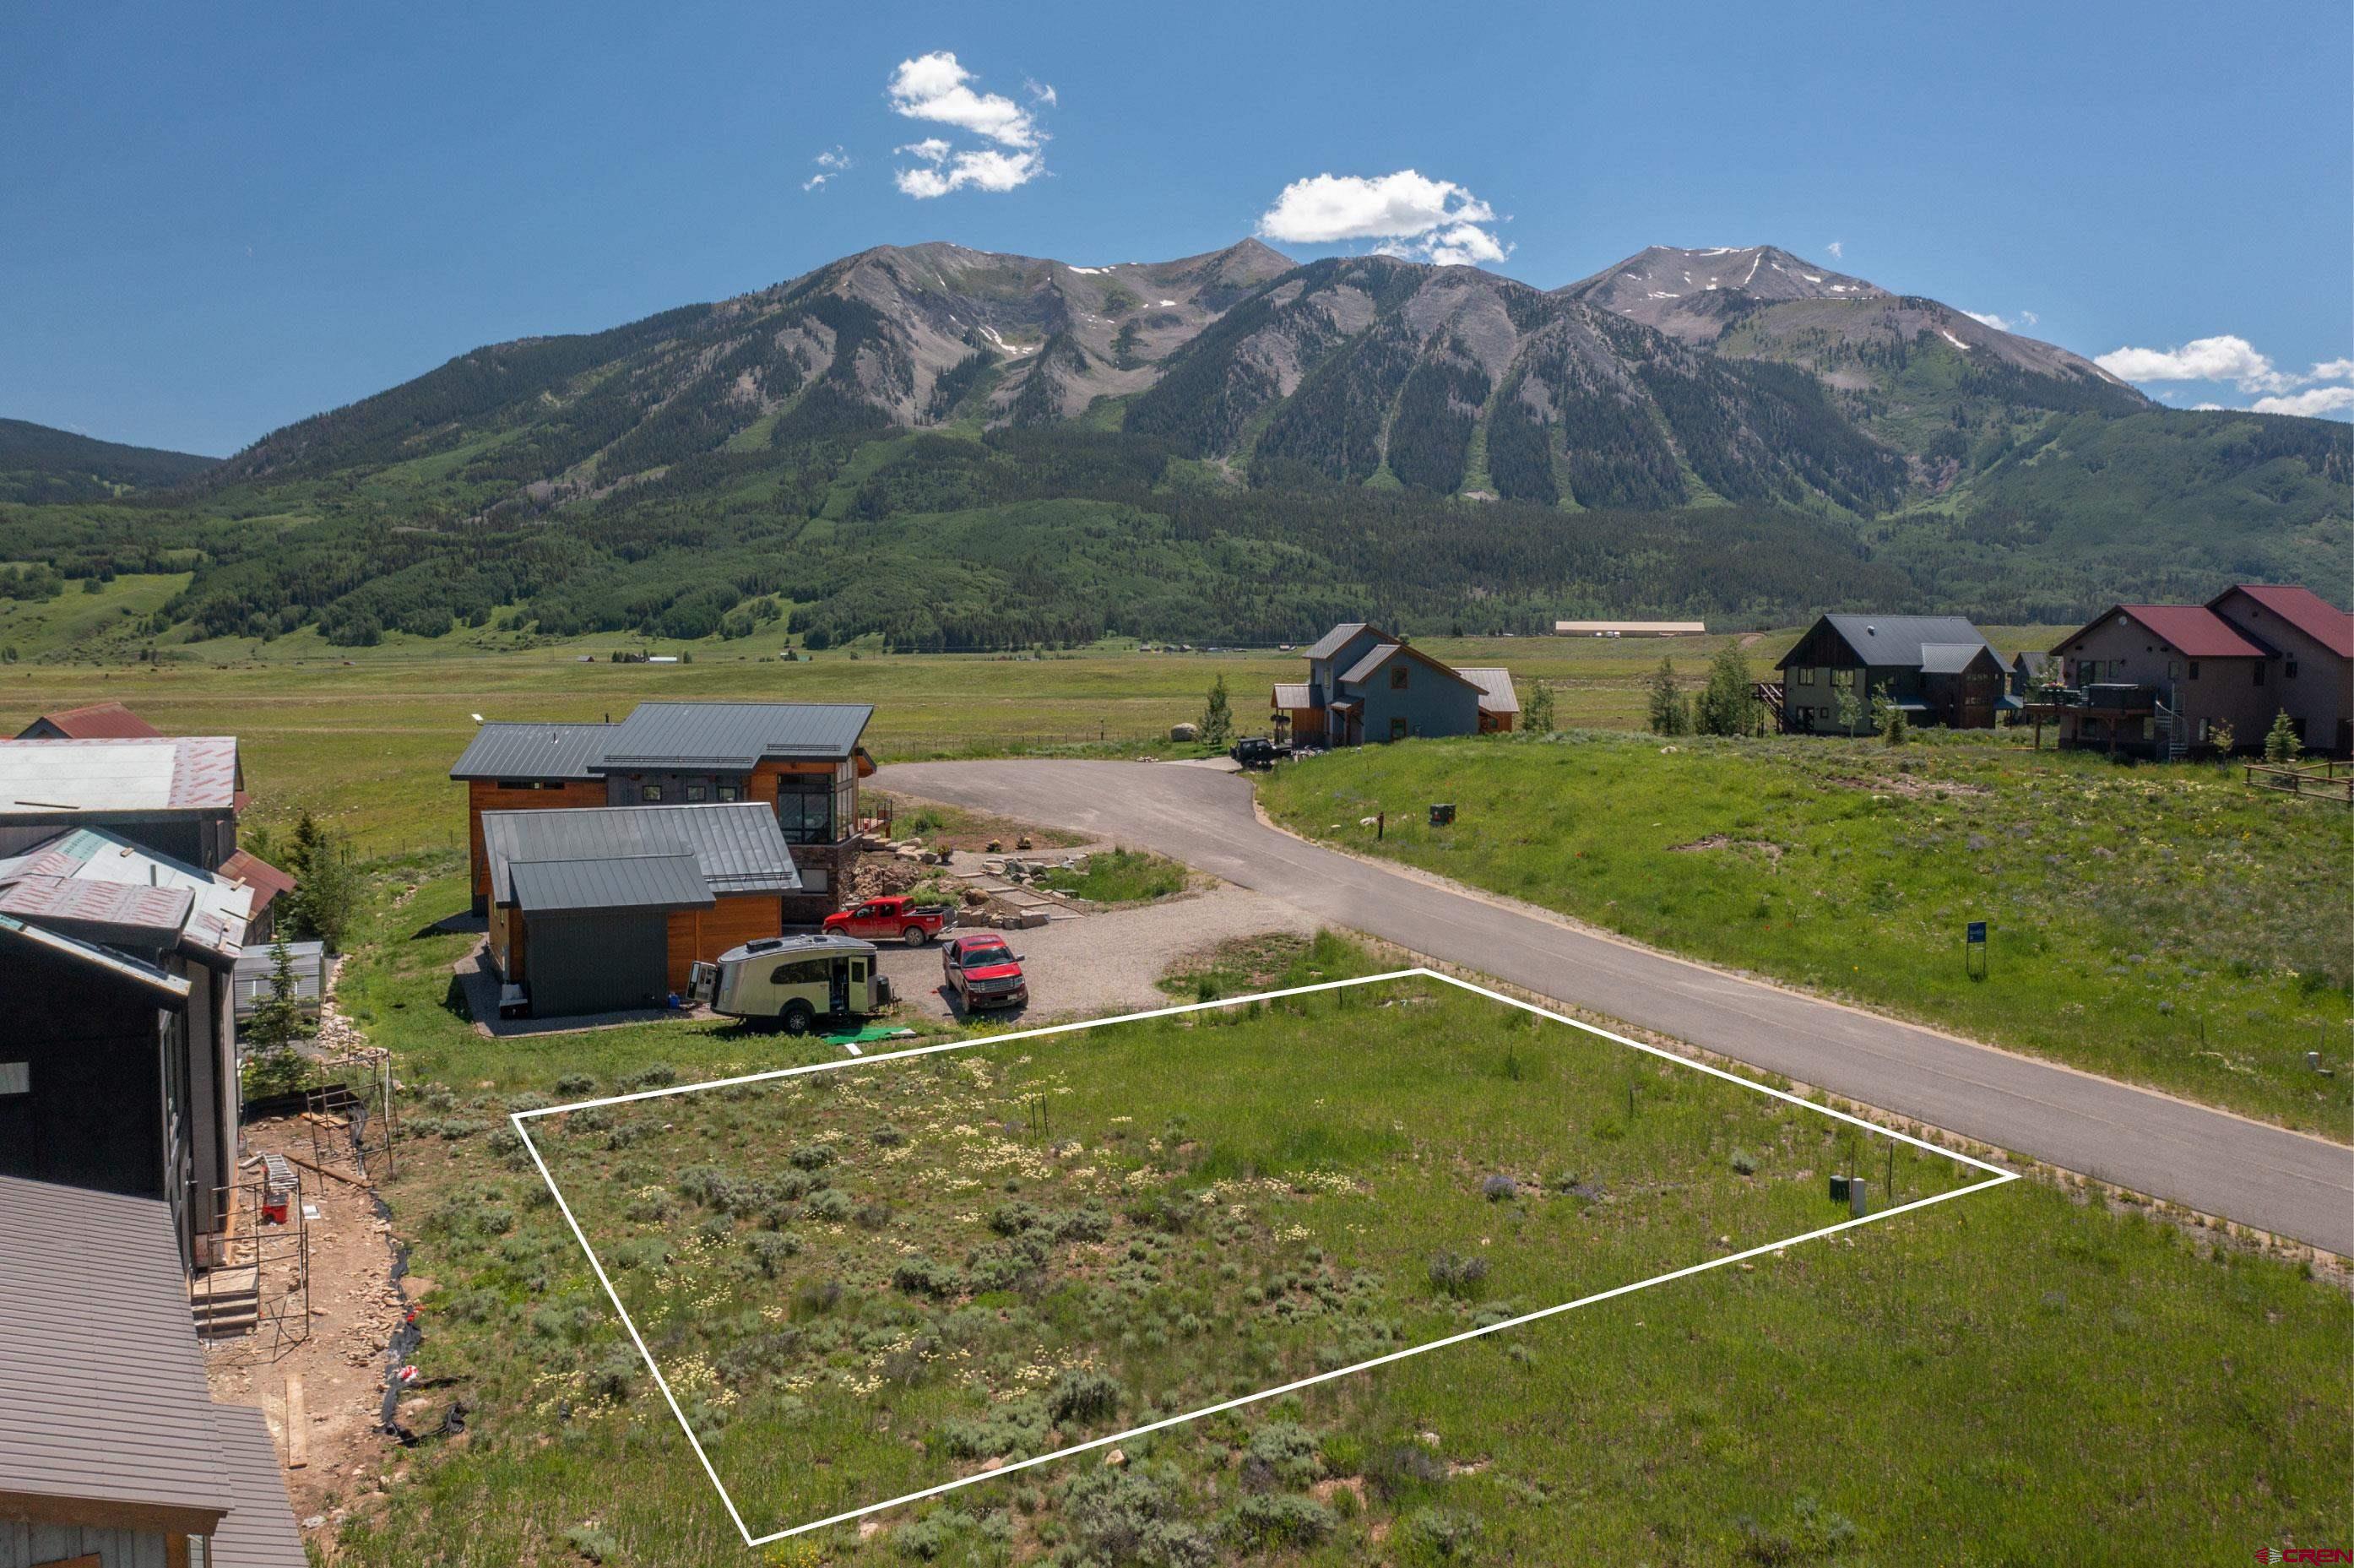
(2220, 358)
(829, 162)
(1837, 247)
(2333, 370)
(1988, 318)
(1423, 219)
(2203, 408)
(986, 169)
(2315, 402)
(935, 87)
(1040, 92)
(2030, 317)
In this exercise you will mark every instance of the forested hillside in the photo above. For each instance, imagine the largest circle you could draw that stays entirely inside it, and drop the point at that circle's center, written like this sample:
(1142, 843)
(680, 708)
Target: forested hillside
(39, 464)
(947, 449)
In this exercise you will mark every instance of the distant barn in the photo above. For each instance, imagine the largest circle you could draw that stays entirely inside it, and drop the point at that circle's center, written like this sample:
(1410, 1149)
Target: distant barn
(1629, 627)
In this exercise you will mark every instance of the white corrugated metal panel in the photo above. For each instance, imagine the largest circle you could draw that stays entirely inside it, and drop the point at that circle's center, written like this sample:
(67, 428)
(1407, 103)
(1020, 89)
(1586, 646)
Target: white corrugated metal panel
(101, 1384)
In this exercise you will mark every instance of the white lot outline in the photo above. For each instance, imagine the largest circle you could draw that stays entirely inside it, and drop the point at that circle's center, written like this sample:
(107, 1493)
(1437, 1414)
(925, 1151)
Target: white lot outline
(1997, 1178)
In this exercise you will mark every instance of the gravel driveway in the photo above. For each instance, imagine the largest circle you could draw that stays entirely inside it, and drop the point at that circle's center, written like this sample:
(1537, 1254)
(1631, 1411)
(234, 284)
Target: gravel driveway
(1107, 962)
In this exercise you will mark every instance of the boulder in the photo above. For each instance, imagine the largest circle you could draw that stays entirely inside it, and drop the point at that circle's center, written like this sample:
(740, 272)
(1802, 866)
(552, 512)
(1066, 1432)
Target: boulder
(1184, 732)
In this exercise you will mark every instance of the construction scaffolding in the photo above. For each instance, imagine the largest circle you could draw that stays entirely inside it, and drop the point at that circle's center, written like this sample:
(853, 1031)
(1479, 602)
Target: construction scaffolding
(257, 1279)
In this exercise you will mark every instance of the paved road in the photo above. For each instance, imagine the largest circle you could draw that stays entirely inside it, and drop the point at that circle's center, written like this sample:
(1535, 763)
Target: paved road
(2280, 1181)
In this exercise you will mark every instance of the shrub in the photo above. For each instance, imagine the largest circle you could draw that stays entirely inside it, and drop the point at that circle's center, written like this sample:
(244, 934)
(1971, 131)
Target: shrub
(832, 1206)
(769, 1251)
(919, 1276)
(1281, 1520)
(1017, 1427)
(1279, 1454)
(1745, 1163)
(812, 1156)
(1082, 1394)
(654, 1075)
(1500, 1188)
(593, 1541)
(1440, 1533)
(1452, 1275)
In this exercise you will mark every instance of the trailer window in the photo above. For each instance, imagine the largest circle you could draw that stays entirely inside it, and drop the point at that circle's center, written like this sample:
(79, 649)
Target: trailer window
(808, 971)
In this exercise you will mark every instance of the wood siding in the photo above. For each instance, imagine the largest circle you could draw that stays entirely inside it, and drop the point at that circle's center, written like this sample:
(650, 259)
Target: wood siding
(702, 935)
(484, 795)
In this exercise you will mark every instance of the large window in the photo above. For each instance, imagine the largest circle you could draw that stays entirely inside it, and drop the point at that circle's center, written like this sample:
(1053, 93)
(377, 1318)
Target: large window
(817, 808)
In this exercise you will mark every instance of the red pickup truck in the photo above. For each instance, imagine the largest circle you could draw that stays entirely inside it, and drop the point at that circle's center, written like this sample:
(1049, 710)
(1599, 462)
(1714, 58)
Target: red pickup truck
(895, 916)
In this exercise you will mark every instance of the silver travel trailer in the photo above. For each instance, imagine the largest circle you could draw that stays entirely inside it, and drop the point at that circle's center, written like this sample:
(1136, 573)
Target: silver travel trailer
(793, 981)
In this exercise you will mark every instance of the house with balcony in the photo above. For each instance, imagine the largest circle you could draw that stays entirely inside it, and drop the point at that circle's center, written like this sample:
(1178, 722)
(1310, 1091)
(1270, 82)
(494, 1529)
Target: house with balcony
(1363, 684)
(2165, 680)
(802, 760)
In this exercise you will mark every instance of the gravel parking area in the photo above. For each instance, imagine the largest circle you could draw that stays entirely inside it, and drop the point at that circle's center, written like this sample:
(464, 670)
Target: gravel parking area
(1104, 963)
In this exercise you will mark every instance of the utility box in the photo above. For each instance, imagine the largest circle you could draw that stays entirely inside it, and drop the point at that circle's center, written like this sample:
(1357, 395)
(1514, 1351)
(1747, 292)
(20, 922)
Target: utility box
(1859, 1197)
(1442, 816)
(1838, 1189)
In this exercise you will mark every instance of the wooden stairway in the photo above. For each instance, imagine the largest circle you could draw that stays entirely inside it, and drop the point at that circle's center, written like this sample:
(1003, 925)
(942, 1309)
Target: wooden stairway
(226, 1301)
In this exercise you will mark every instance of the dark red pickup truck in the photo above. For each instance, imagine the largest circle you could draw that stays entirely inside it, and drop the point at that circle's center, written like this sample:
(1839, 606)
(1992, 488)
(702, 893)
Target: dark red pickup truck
(984, 972)
(879, 919)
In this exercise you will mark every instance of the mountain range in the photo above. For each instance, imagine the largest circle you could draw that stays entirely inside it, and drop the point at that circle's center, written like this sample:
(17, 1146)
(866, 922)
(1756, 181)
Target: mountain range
(1235, 414)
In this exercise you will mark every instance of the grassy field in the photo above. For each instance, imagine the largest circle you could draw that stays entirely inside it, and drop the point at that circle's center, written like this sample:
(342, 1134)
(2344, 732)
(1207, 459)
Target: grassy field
(365, 736)
(2164, 925)
(2014, 1376)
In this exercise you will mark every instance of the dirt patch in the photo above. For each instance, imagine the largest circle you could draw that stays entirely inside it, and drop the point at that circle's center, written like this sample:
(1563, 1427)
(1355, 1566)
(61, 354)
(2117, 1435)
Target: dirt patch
(354, 1309)
(1912, 788)
(1323, 1491)
(1766, 847)
(953, 827)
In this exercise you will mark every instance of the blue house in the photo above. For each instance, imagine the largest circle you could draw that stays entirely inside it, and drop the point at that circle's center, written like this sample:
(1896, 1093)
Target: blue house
(1364, 684)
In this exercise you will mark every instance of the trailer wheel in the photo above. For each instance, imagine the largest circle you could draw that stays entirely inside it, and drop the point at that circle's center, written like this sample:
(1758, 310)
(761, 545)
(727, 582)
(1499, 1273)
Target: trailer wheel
(798, 1017)
(915, 936)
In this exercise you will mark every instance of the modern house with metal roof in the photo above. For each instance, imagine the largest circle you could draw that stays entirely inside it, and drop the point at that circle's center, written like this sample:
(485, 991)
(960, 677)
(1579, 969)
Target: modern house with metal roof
(605, 908)
(2162, 680)
(803, 760)
(1938, 669)
(118, 1060)
(112, 1454)
(1365, 685)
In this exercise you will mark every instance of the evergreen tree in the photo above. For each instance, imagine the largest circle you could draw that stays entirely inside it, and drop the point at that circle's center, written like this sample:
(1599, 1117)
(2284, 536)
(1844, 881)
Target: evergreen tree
(1728, 703)
(2280, 745)
(1537, 715)
(276, 1022)
(1671, 715)
(1218, 718)
(1888, 718)
(327, 890)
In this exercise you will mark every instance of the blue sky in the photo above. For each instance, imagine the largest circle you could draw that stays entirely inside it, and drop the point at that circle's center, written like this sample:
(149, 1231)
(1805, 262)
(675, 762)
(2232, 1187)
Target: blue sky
(222, 219)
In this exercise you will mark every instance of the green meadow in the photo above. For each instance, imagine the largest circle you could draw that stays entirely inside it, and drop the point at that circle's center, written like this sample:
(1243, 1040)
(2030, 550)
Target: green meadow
(888, 1275)
(2165, 925)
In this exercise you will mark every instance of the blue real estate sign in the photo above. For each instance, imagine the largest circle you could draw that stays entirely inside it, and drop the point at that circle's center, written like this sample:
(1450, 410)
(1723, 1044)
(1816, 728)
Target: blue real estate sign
(1978, 933)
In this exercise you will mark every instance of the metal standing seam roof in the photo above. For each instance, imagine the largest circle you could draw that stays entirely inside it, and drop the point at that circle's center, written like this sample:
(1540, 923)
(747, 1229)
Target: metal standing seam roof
(1495, 693)
(732, 736)
(737, 846)
(175, 773)
(648, 880)
(111, 912)
(1951, 658)
(1292, 694)
(2303, 608)
(1884, 641)
(266, 880)
(1332, 641)
(100, 1371)
(260, 1530)
(532, 751)
(95, 721)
